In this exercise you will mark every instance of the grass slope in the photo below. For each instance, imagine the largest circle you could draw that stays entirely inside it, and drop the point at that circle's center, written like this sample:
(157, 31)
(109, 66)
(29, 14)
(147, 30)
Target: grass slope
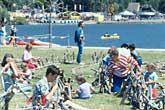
(102, 101)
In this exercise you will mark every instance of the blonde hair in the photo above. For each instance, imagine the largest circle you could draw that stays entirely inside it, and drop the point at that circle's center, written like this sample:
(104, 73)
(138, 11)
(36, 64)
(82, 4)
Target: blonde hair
(152, 66)
(113, 51)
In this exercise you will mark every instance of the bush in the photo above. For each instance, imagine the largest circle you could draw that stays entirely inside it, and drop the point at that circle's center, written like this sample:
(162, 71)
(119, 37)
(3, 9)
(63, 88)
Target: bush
(4, 13)
(21, 20)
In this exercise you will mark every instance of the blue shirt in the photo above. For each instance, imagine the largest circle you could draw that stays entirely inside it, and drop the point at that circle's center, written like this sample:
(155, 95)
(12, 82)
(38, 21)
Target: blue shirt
(1, 33)
(106, 60)
(84, 90)
(7, 79)
(151, 76)
(79, 33)
(41, 89)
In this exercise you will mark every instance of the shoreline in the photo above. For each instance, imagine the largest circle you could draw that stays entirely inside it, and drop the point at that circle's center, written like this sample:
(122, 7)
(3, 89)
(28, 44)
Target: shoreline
(104, 48)
(136, 22)
(162, 21)
(86, 47)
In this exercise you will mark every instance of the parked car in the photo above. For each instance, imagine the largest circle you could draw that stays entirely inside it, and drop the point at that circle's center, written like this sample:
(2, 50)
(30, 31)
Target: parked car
(75, 15)
(119, 18)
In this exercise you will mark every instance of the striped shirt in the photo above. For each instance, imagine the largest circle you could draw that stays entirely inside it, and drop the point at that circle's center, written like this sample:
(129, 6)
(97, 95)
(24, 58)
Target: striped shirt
(121, 68)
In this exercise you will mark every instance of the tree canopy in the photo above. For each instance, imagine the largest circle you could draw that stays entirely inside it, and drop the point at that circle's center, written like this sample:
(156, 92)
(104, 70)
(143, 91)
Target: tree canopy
(81, 5)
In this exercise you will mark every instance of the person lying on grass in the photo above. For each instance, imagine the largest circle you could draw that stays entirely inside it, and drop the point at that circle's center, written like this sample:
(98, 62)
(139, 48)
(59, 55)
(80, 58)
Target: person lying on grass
(43, 95)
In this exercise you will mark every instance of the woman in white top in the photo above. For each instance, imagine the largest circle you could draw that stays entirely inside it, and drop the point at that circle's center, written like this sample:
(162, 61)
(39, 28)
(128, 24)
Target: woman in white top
(28, 58)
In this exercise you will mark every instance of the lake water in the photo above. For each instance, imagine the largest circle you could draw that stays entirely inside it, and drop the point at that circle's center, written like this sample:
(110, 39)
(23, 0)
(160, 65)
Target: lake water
(143, 35)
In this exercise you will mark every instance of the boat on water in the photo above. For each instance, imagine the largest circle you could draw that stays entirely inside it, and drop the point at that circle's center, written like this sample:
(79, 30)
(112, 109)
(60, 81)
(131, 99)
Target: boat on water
(31, 40)
(19, 41)
(108, 37)
(37, 42)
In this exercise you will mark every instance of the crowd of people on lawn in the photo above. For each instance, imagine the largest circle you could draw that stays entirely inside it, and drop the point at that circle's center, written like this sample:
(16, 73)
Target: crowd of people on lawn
(117, 62)
(11, 74)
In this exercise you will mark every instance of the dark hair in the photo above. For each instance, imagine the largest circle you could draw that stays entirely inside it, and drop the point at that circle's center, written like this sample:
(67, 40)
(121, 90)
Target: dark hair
(80, 23)
(81, 78)
(24, 65)
(132, 46)
(28, 46)
(52, 69)
(124, 45)
(4, 62)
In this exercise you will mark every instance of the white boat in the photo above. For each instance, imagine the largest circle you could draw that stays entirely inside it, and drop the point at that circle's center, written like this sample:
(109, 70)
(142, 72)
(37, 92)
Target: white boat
(108, 37)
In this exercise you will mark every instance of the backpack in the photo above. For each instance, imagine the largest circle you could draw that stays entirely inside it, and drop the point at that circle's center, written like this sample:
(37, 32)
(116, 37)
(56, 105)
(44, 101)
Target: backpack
(75, 37)
(138, 58)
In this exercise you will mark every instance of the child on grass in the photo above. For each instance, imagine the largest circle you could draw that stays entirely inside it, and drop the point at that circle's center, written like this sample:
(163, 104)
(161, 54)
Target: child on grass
(27, 73)
(150, 78)
(84, 89)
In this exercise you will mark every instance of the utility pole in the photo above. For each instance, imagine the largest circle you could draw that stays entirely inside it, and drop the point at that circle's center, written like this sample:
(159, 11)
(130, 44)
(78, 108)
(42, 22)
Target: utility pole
(95, 6)
(50, 25)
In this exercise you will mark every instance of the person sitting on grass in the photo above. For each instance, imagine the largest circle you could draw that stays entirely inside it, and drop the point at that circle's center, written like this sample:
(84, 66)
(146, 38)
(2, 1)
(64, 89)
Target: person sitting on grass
(150, 78)
(28, 58)
(43, 94)
(27, 73)
(10, 76)
(84, 89)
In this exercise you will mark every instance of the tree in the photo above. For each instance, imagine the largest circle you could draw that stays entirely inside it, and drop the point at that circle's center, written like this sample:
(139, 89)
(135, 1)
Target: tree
(42, 3)
(111, 8)
(155, 3)
(142, 1)
(161, 7)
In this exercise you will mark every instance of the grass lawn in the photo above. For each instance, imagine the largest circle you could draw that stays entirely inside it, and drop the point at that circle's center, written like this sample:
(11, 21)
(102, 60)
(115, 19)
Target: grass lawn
(102, 101)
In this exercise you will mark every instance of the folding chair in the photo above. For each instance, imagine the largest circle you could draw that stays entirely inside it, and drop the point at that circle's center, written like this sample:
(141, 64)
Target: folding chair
(10, 86)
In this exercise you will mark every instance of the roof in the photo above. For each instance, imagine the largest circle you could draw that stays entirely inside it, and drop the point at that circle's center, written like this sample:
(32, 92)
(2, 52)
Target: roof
(133, 7)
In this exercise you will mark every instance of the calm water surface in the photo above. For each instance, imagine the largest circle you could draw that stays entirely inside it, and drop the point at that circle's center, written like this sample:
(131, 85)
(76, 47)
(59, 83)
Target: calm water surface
(143, 35)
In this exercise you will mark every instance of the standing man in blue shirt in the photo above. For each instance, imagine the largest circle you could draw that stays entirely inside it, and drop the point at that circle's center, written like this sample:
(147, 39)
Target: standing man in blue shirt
(79, 39)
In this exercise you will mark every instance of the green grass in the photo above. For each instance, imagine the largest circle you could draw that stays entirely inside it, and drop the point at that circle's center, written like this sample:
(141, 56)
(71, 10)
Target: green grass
(102, 101)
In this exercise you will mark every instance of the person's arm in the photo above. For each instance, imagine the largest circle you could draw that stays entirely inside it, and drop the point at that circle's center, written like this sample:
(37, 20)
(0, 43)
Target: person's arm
(133, 62)
(5, 68)
(110, 68)
(51, 93)
(54, 89)
(153, 79)
(82, 37)
(151, 82)
(78, 35)
(21, 80)
(92, 89)
(35, 58)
